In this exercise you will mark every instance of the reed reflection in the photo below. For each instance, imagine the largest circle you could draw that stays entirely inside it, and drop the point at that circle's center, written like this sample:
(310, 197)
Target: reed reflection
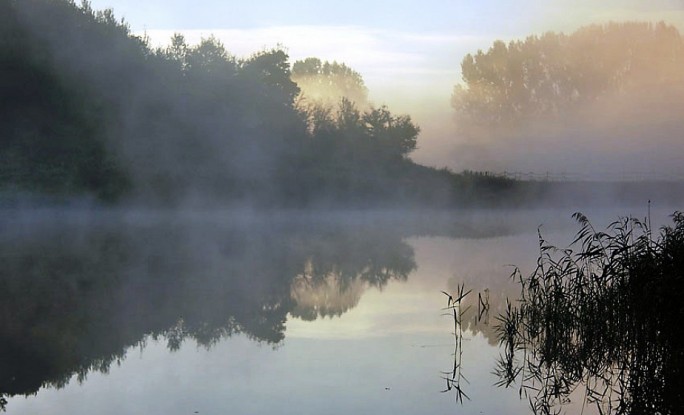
(598, 321)
(456, 310)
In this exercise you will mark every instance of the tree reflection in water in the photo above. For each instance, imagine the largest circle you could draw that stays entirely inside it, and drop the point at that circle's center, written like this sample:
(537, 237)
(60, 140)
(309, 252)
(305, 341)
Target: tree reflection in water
(599, 320)
(76, 295)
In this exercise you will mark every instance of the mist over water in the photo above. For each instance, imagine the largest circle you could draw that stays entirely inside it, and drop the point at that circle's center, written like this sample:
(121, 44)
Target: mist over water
(643, 143)
(186, 230)
(600, 103)
(85, 289)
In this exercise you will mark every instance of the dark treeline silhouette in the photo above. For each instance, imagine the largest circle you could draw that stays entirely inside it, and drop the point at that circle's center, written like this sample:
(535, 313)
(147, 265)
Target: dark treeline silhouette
(169, 122)
(599, 323)
(76, 294)
(54, 128)
(89, 108)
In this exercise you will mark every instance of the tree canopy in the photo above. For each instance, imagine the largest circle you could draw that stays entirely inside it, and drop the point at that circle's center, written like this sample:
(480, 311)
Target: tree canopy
(89, 108)
(371, 134)
(550, 75)
(327, 83)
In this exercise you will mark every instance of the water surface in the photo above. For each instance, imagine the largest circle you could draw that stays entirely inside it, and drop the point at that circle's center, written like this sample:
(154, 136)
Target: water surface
(215, 312)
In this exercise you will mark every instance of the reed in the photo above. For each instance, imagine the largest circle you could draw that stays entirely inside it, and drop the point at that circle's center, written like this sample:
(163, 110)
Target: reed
(454, 377)
(599, 319)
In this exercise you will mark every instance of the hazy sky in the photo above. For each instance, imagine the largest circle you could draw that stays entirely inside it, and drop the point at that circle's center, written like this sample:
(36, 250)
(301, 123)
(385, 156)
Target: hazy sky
(408, 52)
(401, 47)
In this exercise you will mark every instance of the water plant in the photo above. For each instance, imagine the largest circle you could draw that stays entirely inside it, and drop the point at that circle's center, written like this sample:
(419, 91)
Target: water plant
(598, 321)
(454, 377)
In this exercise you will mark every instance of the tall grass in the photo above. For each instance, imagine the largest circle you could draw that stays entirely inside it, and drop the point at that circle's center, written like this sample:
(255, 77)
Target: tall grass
(600, 320)
(455, 377)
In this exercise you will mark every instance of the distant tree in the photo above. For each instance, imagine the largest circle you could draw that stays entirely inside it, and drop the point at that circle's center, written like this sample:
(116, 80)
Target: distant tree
(371, 136)
(273, 70)
(177, 51)
(89, 108)
(209, 56)
(549, 75)
(396, 136)
(327, 83)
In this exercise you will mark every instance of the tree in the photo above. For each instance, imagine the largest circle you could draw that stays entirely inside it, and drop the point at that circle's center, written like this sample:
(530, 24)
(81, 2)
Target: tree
(272, 69)
(327, 83)
(209, 56)
(177, 51)
(394, 136)
(91, 108)
(372, 135)
(547, 76)
(53, 135)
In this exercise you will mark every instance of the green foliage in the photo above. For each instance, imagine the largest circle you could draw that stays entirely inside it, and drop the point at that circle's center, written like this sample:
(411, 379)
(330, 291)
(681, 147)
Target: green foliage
(353, 156)
(396, 136)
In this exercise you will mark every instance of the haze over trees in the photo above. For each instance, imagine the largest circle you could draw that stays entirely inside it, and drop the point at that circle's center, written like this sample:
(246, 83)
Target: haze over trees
(603, 101)
(91, 109)
(550, 75)
(87, 108)
(326, 83)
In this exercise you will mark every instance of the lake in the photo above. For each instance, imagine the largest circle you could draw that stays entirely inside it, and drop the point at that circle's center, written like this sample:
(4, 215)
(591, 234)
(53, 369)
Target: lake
(211, 312)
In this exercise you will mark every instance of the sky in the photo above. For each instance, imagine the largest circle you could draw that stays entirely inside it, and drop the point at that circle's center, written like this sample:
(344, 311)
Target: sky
(408, 52)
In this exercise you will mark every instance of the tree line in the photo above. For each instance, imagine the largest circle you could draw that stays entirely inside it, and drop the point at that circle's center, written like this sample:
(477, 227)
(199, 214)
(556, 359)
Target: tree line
(556, 75)
(89, 108)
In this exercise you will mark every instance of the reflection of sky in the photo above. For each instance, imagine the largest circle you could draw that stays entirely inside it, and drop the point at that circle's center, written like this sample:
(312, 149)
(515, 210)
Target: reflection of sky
(414, 306)
(304, 376)
(394, 339)
(444, 263)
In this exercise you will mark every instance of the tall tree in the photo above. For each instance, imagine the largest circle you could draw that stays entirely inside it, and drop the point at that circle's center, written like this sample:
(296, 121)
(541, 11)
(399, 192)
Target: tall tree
(546, 76)
(327, 83)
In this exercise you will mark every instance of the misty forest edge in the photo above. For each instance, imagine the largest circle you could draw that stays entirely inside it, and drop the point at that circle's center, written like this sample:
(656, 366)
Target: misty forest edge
(89, 109)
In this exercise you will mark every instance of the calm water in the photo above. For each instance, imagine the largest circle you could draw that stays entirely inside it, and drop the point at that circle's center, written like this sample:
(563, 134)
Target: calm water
(216, 312)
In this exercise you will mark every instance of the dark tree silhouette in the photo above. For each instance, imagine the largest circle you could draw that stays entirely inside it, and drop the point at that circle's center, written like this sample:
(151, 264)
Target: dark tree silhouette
(90, 109)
